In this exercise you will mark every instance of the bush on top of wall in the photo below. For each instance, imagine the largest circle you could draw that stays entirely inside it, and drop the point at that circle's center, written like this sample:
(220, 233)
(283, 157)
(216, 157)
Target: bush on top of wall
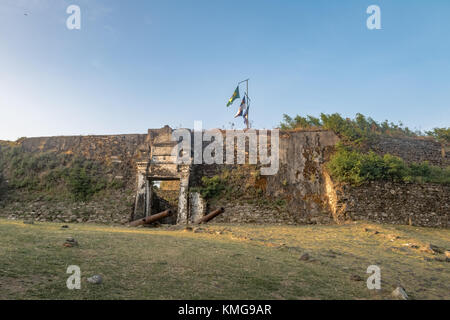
(440, 134)
(359, 130)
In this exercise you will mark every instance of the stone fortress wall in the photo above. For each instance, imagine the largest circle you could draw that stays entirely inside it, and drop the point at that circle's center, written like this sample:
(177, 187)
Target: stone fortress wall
(310, 194)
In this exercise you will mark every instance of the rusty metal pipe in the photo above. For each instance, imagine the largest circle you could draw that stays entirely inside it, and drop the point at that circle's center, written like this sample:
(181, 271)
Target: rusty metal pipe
(151, 219)
(211, 216)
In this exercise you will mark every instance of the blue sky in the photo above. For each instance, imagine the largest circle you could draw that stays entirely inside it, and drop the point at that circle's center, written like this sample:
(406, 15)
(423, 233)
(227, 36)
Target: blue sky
(143, 64)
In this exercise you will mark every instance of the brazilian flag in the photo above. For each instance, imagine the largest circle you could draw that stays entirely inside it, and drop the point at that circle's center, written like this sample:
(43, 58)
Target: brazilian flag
(234, 97)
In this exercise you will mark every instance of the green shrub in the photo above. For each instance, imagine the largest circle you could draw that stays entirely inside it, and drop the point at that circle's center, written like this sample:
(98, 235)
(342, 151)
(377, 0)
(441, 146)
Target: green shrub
(354, 167)
(424, 172)
(84, 179)
(116, 184)
(79, 183)
(211, 187)
(395, 167)
(354, 131)
(440, 134)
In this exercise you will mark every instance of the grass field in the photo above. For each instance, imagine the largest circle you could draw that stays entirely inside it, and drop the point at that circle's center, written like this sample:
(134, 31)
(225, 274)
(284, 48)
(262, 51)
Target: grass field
(221, 261)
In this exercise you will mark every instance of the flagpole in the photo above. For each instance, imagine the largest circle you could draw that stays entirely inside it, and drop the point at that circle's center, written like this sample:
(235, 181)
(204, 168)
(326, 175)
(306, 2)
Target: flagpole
(248, 103)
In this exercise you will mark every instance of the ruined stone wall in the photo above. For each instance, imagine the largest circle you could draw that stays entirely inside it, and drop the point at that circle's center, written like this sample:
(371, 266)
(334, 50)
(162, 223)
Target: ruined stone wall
(114, 207)
(300, 180)
(294, 195)
(300, 192)
(101, 147)
(120, 152)
(312, 197)
(117, 152)
(413, 149)
(395, 203)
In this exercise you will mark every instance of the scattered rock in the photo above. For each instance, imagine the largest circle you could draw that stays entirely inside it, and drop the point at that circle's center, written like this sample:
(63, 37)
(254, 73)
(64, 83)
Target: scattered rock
(411, 245)
(329, 254)
(393, 237)
(291, 248)
(70, 242)
(333, 252)
(429, 248)
(95, 279)
(355, 277)
(304, 257)
(400, 293)
(436, 248)
(199, 230)
(371, 231)
(64, 226)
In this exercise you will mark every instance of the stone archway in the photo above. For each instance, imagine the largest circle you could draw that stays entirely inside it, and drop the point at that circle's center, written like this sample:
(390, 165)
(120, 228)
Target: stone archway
(161, 166)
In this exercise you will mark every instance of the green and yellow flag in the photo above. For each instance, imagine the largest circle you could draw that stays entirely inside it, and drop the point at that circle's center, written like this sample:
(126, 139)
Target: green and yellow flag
(234, 97)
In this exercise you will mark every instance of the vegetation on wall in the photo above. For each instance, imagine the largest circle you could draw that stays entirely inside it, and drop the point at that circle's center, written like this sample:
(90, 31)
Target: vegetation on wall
(211, 187)
(354, 167)
(53, 173)
(356, 131)
(349, 164)
(242, 183)
(361, 129)
(2, 182)
(440, 134)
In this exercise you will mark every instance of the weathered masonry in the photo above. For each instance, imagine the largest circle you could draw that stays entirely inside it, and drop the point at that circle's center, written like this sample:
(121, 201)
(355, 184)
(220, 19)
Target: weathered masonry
(160, 165)
(309, 194)
(153, 182)
(299, 178)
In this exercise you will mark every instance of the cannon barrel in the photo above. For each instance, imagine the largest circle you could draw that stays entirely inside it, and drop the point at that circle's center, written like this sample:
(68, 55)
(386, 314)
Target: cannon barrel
(211, 216)
(151, 219)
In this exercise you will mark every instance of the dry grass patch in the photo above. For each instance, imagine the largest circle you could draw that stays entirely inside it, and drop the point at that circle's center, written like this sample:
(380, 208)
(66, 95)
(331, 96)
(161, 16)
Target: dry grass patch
(220, 261)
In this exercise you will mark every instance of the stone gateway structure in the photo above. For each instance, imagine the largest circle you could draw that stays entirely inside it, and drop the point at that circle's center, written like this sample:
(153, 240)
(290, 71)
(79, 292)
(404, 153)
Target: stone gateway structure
(301, 156)
(160, 165)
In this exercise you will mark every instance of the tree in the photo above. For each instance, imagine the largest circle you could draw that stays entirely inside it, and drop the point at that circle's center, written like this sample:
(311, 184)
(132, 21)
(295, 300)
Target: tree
(440, 134)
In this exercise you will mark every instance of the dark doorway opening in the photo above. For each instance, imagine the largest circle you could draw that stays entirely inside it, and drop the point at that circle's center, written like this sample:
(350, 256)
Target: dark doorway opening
(165, 195)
